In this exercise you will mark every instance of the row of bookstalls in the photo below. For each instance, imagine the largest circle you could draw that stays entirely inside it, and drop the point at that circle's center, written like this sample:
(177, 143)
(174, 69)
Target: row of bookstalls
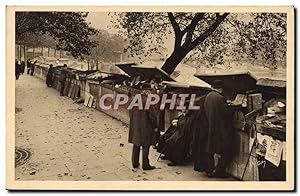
(258, 104)
(75, 82)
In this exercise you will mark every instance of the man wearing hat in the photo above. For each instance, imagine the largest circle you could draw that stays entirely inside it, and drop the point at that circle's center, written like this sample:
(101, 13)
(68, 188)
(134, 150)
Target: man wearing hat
(220, 133)
(142, 127)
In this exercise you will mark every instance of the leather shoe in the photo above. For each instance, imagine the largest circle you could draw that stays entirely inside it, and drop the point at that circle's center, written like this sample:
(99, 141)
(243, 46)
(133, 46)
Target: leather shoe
(149, 167)
(164, 157)
(172, 164)
(217, 174)
(136, 165)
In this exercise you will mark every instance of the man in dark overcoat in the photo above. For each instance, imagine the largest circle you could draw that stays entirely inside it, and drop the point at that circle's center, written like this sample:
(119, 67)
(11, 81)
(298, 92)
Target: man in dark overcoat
(220, 131)
(203, 161)
(142, 131)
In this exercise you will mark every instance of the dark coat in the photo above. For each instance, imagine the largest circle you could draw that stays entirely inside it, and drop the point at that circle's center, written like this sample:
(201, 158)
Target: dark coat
(199, 143)
(28, 64)
(22, 67)
(220, 131)
(141, 126)
(63, 75)
(49, 79)
(175, 143)
(32, 68)
(17, 68)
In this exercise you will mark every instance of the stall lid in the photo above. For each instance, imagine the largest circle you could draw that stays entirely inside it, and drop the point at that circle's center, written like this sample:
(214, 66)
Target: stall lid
(152, 72)
(114, 74)
(182, 85)
(240, 76)
(226, 74)
(96, 75)
(127, 69)
(175, 84)
(146, 72)
(267, 82)
(103, 74)
(234, 82)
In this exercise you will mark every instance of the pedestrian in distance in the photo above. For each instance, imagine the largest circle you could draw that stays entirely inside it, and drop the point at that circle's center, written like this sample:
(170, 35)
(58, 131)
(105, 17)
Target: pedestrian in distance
(32, 68)
(62, 79)
(17, 69)
(28, 65)
(22, 67)
(49, 78)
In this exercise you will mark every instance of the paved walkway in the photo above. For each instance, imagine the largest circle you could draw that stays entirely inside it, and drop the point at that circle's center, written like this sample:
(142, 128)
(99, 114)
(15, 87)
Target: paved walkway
(69, 141)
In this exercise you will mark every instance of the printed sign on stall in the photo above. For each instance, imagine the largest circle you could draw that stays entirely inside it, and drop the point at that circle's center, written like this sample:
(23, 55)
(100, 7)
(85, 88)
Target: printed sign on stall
(274, 150)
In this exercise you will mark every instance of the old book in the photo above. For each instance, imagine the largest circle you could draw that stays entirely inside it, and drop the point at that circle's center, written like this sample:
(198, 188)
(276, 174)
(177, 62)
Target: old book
(86, 100)
(70, 90)
(240, 99)
(274, 151)
(90, 103)
(255, 101)
(284, 151)
(262, 144)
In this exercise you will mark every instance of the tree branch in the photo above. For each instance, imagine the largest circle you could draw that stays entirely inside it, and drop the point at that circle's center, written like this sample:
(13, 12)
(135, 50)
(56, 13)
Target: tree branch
(20, 32)
(191, 28)
(209, 31)
(178, 32)
(174, 23)
(235, 26)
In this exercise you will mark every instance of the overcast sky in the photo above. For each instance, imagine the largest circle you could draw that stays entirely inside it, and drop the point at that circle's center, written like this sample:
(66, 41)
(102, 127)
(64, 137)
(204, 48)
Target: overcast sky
(101, 20)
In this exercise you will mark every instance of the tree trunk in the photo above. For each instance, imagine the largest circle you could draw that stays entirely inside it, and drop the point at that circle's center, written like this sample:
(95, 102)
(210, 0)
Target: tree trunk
(172, 61)
(24, 53)
(48, 51)
(97, 63)
(33, 53)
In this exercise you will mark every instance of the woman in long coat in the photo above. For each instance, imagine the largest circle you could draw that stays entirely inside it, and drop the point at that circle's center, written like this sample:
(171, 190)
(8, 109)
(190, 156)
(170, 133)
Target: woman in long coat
(142, 131)
(49, 79)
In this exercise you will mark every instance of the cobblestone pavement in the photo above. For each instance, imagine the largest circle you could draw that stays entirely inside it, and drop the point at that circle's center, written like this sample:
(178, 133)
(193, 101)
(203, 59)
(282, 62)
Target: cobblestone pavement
(68, 141)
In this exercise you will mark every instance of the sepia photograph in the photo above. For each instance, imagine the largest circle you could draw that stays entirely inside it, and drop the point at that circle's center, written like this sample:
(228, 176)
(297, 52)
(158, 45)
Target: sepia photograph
(150, 98)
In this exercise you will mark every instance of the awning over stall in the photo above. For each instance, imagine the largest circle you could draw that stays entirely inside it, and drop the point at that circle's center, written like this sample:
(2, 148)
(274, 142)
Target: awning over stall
(234, 83)
(128, 70)
(267, 82)
(107, 77)
(145, 72)
(271, 88)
